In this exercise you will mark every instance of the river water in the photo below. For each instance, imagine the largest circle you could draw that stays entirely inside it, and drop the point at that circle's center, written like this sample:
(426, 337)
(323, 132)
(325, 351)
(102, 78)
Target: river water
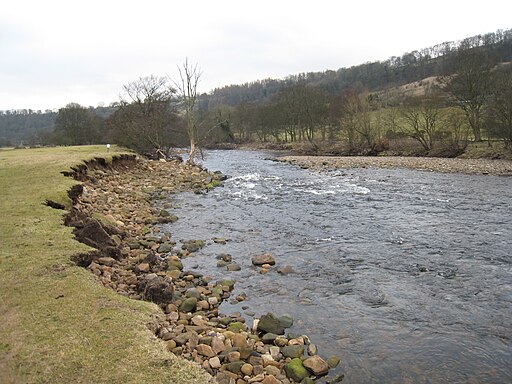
(405, 275)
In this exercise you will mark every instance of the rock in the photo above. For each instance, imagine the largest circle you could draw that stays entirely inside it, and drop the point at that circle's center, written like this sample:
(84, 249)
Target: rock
(286, 321)
(293, 351)
(312, 350)
(230, 284)
(308, 380)
(164, 248)
(295, 370)
(213, 300)
(170, 345)
(237, 327)
(222, 264)
(193, 292)
(270, 323)
(281, 341)
(268, 338)
(233, 267)
(233, 356)
(272, 370)
(270, 379)
(193, 245)
(175, 264)
(247, 369)
(296, 341)
(266, 258)
(188, 305)
(333, 361)
(215, 362)
(274, 352)
(143, 268)
(157, 289)
(257, 379)
(239, 341)
(108, 261)
(205, 350)
(235, 366)
(336, 379)
(219, 240)
(225, 257)
(199, 321)
(285, 270)
(316, 365)
(217, 345)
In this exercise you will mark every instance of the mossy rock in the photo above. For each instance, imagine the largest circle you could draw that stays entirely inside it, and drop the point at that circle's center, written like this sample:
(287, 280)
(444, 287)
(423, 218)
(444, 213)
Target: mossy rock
(295, 370)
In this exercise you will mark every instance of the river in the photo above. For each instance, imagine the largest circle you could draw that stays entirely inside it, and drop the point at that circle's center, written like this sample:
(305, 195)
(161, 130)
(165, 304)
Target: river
(405, 275)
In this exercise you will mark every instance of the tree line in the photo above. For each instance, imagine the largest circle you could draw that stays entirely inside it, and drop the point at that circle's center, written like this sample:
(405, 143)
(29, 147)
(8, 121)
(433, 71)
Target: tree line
(469, 99)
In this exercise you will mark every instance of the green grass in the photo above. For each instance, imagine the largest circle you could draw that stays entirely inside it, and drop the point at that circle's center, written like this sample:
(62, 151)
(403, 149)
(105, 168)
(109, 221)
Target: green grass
(58, 324)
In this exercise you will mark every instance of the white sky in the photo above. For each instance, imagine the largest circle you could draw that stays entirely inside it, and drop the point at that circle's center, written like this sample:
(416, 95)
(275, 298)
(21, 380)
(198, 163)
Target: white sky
(54, 52)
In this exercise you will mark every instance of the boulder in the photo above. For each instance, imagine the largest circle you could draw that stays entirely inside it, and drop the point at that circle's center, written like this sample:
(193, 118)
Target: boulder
(233, 267)
(270, 379)
(295, 370)
(205, 350)
(316, 365)
(333, 361)
(265, 258)
(293, 351)
(188, 305)
(269, 323)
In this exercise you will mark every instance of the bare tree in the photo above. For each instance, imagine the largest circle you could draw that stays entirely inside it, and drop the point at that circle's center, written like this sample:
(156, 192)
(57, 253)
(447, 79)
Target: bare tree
(424, 119)
(145, 120)
(187, 94)
(469, 87)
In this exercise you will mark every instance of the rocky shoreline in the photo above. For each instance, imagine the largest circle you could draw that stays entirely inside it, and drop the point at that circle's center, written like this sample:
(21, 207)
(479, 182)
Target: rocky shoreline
(431, 164)
(118, 210)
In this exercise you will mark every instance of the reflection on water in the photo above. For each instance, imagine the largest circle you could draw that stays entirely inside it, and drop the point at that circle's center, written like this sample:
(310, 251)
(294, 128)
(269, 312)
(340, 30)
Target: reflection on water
(406, 275)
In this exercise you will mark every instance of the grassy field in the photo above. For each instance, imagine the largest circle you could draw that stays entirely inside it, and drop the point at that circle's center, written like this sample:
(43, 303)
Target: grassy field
(58, 324)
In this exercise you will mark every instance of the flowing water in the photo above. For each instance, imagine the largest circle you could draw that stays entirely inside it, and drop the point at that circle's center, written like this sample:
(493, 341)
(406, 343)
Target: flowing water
(405, 275)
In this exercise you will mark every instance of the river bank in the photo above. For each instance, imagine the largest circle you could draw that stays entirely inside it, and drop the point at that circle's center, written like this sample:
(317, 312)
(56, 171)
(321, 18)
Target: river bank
(59, 325)
(119, 211)
(431, 164)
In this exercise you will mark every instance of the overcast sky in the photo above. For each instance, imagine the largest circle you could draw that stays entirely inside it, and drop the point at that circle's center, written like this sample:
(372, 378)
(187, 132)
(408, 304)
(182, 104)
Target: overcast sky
(54, 52)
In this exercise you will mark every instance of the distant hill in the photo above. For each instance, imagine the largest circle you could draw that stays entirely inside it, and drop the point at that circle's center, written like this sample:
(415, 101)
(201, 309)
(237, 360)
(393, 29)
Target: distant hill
(410, 68)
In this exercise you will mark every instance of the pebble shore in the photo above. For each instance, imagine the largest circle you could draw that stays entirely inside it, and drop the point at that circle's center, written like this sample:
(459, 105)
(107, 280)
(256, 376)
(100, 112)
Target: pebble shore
(431, 164)
(119, 209)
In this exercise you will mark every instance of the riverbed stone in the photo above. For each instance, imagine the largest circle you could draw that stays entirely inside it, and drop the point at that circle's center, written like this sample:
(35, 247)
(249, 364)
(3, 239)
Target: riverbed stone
(217, 345)
(247, 369)
(293, 351)
(205, 350)
(215, 362)
(295, 370)
(333, 361)
(285, 270)
(316, 365)
(286, 321)
(270, 379)
(265, 258)
(270, 323)
(233, 267)
(234, 366)
(269, 338)
(188, 305)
